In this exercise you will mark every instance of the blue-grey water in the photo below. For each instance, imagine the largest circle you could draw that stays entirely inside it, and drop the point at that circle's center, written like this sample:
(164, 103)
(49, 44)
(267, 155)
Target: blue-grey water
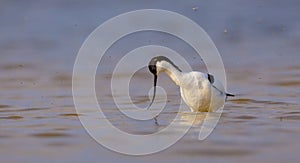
(259, 42)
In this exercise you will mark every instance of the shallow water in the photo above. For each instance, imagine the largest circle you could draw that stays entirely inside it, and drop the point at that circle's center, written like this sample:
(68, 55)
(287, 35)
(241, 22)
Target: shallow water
(260, 46)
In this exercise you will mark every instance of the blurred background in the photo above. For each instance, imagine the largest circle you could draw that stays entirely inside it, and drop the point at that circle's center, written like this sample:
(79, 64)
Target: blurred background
(259, 42)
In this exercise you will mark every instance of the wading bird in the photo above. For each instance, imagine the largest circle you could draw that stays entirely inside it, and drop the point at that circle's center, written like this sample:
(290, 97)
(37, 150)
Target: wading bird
(200, 91)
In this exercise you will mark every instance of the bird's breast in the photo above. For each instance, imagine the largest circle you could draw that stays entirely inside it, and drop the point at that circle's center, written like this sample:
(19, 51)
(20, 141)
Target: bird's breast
(197, 97)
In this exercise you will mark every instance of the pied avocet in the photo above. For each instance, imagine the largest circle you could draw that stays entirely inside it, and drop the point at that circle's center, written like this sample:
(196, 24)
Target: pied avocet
(202, 92)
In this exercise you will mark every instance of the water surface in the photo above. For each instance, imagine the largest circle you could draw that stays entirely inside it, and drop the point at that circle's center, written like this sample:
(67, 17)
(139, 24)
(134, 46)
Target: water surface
(259, 43)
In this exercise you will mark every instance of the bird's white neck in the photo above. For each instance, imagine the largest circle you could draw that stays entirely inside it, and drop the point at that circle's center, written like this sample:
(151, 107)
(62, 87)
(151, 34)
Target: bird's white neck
(171, 71)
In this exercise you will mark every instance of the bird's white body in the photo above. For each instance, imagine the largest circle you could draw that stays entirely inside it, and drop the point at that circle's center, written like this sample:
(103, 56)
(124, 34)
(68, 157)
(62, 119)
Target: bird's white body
(197, 91)
(199, 94)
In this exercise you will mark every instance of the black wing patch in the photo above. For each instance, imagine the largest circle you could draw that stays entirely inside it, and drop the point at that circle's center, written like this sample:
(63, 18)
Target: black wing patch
(210, 78)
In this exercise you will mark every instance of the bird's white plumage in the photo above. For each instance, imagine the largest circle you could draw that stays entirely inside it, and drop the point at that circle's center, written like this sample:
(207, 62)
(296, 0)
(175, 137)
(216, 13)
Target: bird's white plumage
(197, 91)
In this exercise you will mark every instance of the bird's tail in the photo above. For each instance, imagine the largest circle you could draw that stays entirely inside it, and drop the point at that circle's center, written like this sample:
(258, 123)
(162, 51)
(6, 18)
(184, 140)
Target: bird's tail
(228, 94)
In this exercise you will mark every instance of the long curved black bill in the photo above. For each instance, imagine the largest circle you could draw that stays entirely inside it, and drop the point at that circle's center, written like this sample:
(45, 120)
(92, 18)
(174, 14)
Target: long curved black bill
(155, 80)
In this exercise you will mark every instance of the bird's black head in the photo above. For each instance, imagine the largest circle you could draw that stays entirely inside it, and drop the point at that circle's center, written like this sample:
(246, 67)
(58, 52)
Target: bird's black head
(154, 70)
(153, 67)
(152, 64)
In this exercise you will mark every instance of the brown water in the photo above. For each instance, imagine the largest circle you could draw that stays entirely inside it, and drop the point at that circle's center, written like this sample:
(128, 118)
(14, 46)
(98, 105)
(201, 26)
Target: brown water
(38, 121)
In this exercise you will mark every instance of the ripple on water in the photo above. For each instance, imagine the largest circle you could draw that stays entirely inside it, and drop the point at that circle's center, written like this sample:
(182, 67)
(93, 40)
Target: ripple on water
(57, 144)
(14, 117)
(288, 117)
(246, 117)
(4, 136)
(51, 135)
(11, 109)
(14, 66)
(241, 101)
(249, 101)
(287, 83)
(5, 106)
(216, 152)
(70, 115)
(63, 79)
(292, 112)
